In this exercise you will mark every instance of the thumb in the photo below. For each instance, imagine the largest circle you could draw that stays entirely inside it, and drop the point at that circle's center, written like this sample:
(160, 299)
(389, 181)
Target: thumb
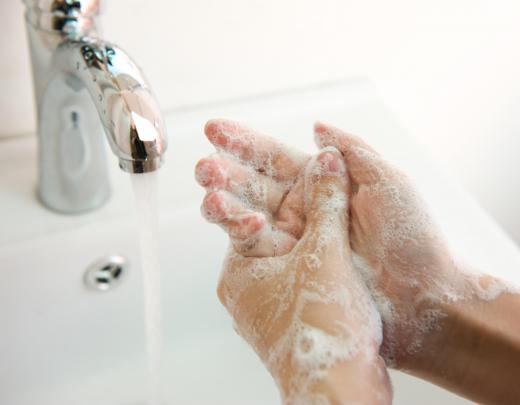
(364, 163)
(326, 191)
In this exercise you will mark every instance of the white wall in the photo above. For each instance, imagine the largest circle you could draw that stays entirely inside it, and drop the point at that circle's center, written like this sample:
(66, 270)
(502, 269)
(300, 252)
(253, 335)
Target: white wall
(449, 69)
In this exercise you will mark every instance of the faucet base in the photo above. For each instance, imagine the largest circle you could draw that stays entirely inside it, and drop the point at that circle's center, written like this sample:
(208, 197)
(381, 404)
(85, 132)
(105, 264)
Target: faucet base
(54, 206)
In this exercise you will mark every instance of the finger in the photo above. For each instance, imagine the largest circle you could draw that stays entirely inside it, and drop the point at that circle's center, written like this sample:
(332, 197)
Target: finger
(326, 205)
(220, 173)
(291, 215)
(327, 134)
(250, 232)
(364, 163)
(266, 154)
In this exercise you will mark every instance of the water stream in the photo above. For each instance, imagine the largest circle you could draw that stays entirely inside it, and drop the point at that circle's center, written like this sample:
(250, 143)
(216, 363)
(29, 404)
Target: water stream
(145, 190)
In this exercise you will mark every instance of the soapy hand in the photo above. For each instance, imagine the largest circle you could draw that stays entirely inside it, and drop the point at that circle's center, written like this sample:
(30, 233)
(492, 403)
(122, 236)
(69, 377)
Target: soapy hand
(308, 314)
(245, 196)
(259, 200)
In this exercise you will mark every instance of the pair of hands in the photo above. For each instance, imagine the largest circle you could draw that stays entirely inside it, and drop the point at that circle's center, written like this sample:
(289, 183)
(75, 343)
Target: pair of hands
(297, 292)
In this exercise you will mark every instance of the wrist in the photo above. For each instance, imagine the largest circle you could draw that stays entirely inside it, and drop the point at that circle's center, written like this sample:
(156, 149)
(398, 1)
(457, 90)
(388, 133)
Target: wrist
(437, 351)
(360, 379)
(428, 315)
(475, 349)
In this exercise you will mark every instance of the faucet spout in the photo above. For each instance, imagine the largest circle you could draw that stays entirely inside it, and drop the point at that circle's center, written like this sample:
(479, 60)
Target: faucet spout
(85, 86)
(125, 105)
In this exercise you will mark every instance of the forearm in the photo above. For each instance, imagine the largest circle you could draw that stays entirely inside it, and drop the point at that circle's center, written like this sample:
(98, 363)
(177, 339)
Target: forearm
(475, 352)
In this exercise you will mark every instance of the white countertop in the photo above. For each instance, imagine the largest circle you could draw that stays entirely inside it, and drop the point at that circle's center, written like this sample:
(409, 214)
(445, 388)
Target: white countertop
(288, 116)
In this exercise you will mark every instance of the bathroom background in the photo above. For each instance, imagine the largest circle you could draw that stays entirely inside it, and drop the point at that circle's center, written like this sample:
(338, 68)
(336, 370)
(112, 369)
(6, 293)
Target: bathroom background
(448, 69)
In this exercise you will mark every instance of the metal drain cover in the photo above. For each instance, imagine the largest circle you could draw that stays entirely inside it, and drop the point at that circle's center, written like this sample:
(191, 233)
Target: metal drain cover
(106, 273)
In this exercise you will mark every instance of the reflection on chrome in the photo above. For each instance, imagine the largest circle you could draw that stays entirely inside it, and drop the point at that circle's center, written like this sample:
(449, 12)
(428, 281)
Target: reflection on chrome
(83, 86)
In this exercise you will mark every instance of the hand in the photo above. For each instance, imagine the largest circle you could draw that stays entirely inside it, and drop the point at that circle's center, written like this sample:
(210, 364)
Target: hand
(246, 198)
(401, 253)
(307, 314)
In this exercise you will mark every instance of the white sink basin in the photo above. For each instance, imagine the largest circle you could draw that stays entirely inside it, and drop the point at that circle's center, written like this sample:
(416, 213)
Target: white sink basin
(63, 344)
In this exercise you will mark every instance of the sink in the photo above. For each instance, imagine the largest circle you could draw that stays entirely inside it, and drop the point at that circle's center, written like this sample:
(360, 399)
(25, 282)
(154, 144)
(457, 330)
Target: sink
(66, 344)
(63, 343)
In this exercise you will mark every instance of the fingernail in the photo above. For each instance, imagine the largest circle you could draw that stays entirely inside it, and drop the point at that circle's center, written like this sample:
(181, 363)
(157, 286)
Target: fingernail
(320, 127)
(203, 173)
(252, 224)
(213, 130)
(214, 208)
(208, 173)
(331, 163)
(220, 139)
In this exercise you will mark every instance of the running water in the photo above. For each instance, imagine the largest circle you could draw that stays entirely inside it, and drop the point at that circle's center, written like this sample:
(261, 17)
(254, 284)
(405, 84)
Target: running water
(145, 191)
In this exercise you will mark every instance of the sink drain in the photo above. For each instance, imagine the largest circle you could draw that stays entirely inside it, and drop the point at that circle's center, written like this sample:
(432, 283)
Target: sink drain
(106, 273)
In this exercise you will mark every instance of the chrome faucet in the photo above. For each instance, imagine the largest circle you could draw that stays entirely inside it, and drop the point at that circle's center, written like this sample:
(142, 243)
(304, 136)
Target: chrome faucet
(84, 86)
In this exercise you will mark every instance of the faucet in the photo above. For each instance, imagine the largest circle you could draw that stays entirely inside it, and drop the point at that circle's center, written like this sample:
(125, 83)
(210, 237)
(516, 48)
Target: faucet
(83, 86)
